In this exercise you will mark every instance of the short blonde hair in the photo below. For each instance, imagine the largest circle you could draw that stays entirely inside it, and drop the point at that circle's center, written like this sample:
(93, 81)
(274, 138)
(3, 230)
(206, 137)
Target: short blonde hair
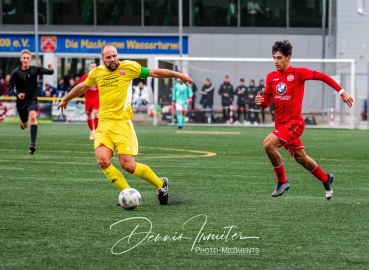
(25, 51)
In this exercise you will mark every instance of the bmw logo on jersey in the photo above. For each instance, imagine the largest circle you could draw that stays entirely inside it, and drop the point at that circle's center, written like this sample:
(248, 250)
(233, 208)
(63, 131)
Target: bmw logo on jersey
(281, 88)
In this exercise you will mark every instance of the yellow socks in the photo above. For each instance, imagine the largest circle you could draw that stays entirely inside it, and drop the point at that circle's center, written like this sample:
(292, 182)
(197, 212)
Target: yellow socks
(143, 171)
(116, 177)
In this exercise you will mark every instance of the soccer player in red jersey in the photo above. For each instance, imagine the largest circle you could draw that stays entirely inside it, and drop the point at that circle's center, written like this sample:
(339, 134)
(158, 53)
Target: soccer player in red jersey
(91, 104)
(285, 87)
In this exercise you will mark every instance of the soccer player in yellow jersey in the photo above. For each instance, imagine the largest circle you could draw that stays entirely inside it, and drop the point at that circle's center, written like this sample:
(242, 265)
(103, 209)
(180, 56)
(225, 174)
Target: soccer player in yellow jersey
(115, 132)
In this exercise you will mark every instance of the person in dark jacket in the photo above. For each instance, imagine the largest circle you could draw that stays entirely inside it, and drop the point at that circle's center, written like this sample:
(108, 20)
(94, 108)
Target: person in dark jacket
(23, 84)
(226, 91)
(253, 109)
(271, 107)
(241, 101)
(207, 97)
(194, 90)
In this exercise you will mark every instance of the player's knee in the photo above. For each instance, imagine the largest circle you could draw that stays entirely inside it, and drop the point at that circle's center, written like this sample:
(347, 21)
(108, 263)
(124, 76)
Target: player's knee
(128, 166)
(103, 163)
(32, 118)
(300, 159)
(268, 144)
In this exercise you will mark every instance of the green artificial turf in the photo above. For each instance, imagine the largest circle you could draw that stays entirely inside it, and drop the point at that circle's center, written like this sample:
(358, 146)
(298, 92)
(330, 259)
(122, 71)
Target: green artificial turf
(58, 210)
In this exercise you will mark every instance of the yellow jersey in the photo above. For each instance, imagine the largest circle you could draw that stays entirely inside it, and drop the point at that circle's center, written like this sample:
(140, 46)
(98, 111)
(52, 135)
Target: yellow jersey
(115, 89)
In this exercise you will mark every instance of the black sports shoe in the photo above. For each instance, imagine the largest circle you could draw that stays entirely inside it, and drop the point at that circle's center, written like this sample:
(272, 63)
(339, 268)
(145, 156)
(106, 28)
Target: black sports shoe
(280, 189)
(118, 204)
(163, 192)
(328, 186)
(32, 149)
(21, 126)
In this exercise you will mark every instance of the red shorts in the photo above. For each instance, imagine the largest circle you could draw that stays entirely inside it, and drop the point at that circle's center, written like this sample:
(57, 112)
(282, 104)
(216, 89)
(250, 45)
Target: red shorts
(289, 136)
(91, 104)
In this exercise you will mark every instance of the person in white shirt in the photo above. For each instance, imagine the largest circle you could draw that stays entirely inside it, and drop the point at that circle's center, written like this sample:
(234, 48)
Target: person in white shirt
(253, 10)
(231, 12)
(142, 95)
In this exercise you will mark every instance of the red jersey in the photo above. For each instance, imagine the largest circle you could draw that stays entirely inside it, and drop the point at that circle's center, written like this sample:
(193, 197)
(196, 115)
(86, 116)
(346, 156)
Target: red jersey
(92, 93)
(286, 89)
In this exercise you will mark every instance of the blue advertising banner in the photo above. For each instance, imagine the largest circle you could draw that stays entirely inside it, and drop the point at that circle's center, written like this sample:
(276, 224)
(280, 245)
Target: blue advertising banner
(93, 44)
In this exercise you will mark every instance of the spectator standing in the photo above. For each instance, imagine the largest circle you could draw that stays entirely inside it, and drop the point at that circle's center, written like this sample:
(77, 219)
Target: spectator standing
(226, 92)
(254, 11)
(252, 107)
(86, 10)
(207, 97)
(194, 90)
(241, 101)
(232, 13)
(168, 11)
(116, 13)
(261, 88)
(198, 13)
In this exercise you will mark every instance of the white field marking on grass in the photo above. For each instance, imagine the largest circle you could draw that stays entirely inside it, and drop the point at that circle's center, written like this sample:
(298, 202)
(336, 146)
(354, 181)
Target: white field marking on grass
(209, 132)
(196, 154)
(201, 153)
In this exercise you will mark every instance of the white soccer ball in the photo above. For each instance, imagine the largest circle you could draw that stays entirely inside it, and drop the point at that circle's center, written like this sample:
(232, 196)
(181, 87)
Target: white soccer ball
(129, 198)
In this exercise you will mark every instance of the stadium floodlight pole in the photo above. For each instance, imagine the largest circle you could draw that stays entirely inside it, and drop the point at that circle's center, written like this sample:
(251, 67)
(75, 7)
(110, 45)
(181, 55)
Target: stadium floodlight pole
(36, 29)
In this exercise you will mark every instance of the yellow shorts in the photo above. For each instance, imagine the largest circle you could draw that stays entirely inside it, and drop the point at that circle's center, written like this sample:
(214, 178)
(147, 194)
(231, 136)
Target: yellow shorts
(118, 136)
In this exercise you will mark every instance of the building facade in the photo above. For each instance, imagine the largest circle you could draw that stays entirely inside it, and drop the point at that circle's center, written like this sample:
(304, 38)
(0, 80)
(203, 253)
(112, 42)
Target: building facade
(70, 34)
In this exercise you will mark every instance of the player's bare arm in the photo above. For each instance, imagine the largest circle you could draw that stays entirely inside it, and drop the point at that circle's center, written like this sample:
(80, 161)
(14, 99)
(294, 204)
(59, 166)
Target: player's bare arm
(346, 97)
(78, 90)
(166, 73)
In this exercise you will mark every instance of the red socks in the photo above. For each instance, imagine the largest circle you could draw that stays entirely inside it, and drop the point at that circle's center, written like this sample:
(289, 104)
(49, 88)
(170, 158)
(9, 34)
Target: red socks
(92, 123)
(280, 173)
(96, 121)
(320, 174)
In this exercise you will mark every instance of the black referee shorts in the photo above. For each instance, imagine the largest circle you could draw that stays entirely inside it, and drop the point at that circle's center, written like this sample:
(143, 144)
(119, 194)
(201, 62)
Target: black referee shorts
(24, 107)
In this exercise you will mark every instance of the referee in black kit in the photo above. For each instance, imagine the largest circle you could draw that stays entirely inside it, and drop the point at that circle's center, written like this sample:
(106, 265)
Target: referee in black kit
(23, 84)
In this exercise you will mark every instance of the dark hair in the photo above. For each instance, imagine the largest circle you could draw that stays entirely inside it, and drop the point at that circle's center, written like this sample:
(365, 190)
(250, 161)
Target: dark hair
(284, 47)
(242, 80)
